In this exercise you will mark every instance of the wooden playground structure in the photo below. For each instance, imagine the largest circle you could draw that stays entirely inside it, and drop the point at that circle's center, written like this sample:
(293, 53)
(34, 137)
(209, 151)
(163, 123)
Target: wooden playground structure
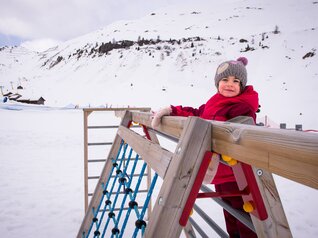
(255, 153)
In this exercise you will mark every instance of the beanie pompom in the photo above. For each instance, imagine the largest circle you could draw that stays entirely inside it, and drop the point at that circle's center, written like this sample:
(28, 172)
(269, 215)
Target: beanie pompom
(243, 60)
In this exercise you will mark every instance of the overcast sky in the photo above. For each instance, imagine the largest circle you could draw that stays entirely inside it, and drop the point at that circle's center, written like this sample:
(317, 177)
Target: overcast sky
(60, 20)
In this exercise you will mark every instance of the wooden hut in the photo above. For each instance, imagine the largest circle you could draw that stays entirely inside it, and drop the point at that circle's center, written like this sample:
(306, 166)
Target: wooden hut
(39, 101)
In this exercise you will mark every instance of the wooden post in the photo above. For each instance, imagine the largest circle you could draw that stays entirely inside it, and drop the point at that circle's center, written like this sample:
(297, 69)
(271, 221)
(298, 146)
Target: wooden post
(276, 225)
(194, 142)
(85, 120)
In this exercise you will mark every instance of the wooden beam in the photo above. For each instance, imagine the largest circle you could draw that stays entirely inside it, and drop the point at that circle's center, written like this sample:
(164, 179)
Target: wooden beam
(276, 225)
(91, 109)
(170, 125)
(302, 146)
(155, 156)
(291, 154)
(181, 174)
(85, 121)
(153, 137)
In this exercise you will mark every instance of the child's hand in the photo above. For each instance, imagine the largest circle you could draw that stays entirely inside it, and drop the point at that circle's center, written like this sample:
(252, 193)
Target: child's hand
(156, 120)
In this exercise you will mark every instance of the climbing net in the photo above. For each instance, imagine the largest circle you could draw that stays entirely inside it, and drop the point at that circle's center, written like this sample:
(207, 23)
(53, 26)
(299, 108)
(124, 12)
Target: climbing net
(122, 197)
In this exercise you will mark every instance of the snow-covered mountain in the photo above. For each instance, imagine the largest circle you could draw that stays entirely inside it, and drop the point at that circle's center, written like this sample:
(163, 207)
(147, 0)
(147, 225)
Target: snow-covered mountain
(170, 57)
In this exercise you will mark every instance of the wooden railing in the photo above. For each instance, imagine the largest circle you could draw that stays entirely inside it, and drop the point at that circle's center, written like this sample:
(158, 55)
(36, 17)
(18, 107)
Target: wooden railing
(290, 154)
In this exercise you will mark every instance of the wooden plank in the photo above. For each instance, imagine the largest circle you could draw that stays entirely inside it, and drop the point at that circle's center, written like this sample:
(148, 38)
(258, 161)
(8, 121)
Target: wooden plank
(120, 114)
(194, 142)
(170, 125)
(153, 138)
(98, 192)
(85, 114)
(91, 109)
(241, 153)
(291, 154)
(276, 225)
(155, 156)
(295, 145)
(293, 169)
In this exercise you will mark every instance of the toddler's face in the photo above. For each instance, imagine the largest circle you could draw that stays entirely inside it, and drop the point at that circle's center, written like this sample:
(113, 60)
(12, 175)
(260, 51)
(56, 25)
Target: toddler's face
(229, 87)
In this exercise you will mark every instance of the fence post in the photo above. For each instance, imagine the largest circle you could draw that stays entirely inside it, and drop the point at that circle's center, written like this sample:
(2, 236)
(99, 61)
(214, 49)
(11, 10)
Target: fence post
(85, 120)
(181, 174)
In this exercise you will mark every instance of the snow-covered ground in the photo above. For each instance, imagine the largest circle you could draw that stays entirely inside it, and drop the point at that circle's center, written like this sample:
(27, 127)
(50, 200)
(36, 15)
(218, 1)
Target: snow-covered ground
(41, 173)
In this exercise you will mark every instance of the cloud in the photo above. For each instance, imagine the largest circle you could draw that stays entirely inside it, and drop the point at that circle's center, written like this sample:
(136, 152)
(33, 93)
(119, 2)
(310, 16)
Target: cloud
(14, 26)
(56, 19)
(64, 20)
(40, 45)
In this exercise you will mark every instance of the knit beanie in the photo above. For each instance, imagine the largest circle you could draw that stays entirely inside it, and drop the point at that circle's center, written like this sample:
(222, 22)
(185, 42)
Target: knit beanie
(234, 68)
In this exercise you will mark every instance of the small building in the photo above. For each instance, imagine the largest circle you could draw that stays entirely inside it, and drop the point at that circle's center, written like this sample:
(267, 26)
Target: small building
(7, 94)
(19, 87)
(14, 96)
(39, 101)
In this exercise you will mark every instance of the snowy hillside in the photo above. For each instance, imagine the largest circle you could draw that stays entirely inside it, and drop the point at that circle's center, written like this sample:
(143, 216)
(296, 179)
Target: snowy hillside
(172, 53)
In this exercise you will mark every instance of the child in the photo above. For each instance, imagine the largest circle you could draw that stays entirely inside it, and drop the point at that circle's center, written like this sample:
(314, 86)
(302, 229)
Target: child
(233, 99)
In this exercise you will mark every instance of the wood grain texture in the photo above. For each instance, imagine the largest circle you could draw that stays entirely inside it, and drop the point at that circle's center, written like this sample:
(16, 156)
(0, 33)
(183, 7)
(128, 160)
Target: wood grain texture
(155, 156)
(194, 142)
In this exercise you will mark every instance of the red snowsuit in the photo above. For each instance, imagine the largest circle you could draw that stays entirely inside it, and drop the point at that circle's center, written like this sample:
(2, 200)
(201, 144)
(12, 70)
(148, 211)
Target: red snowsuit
(222, 108)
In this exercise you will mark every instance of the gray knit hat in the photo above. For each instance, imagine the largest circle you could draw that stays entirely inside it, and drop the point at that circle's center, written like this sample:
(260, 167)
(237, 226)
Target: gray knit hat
(234, 68)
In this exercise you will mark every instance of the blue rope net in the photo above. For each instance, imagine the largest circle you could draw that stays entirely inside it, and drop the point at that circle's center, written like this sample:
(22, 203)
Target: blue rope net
(122, 198)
